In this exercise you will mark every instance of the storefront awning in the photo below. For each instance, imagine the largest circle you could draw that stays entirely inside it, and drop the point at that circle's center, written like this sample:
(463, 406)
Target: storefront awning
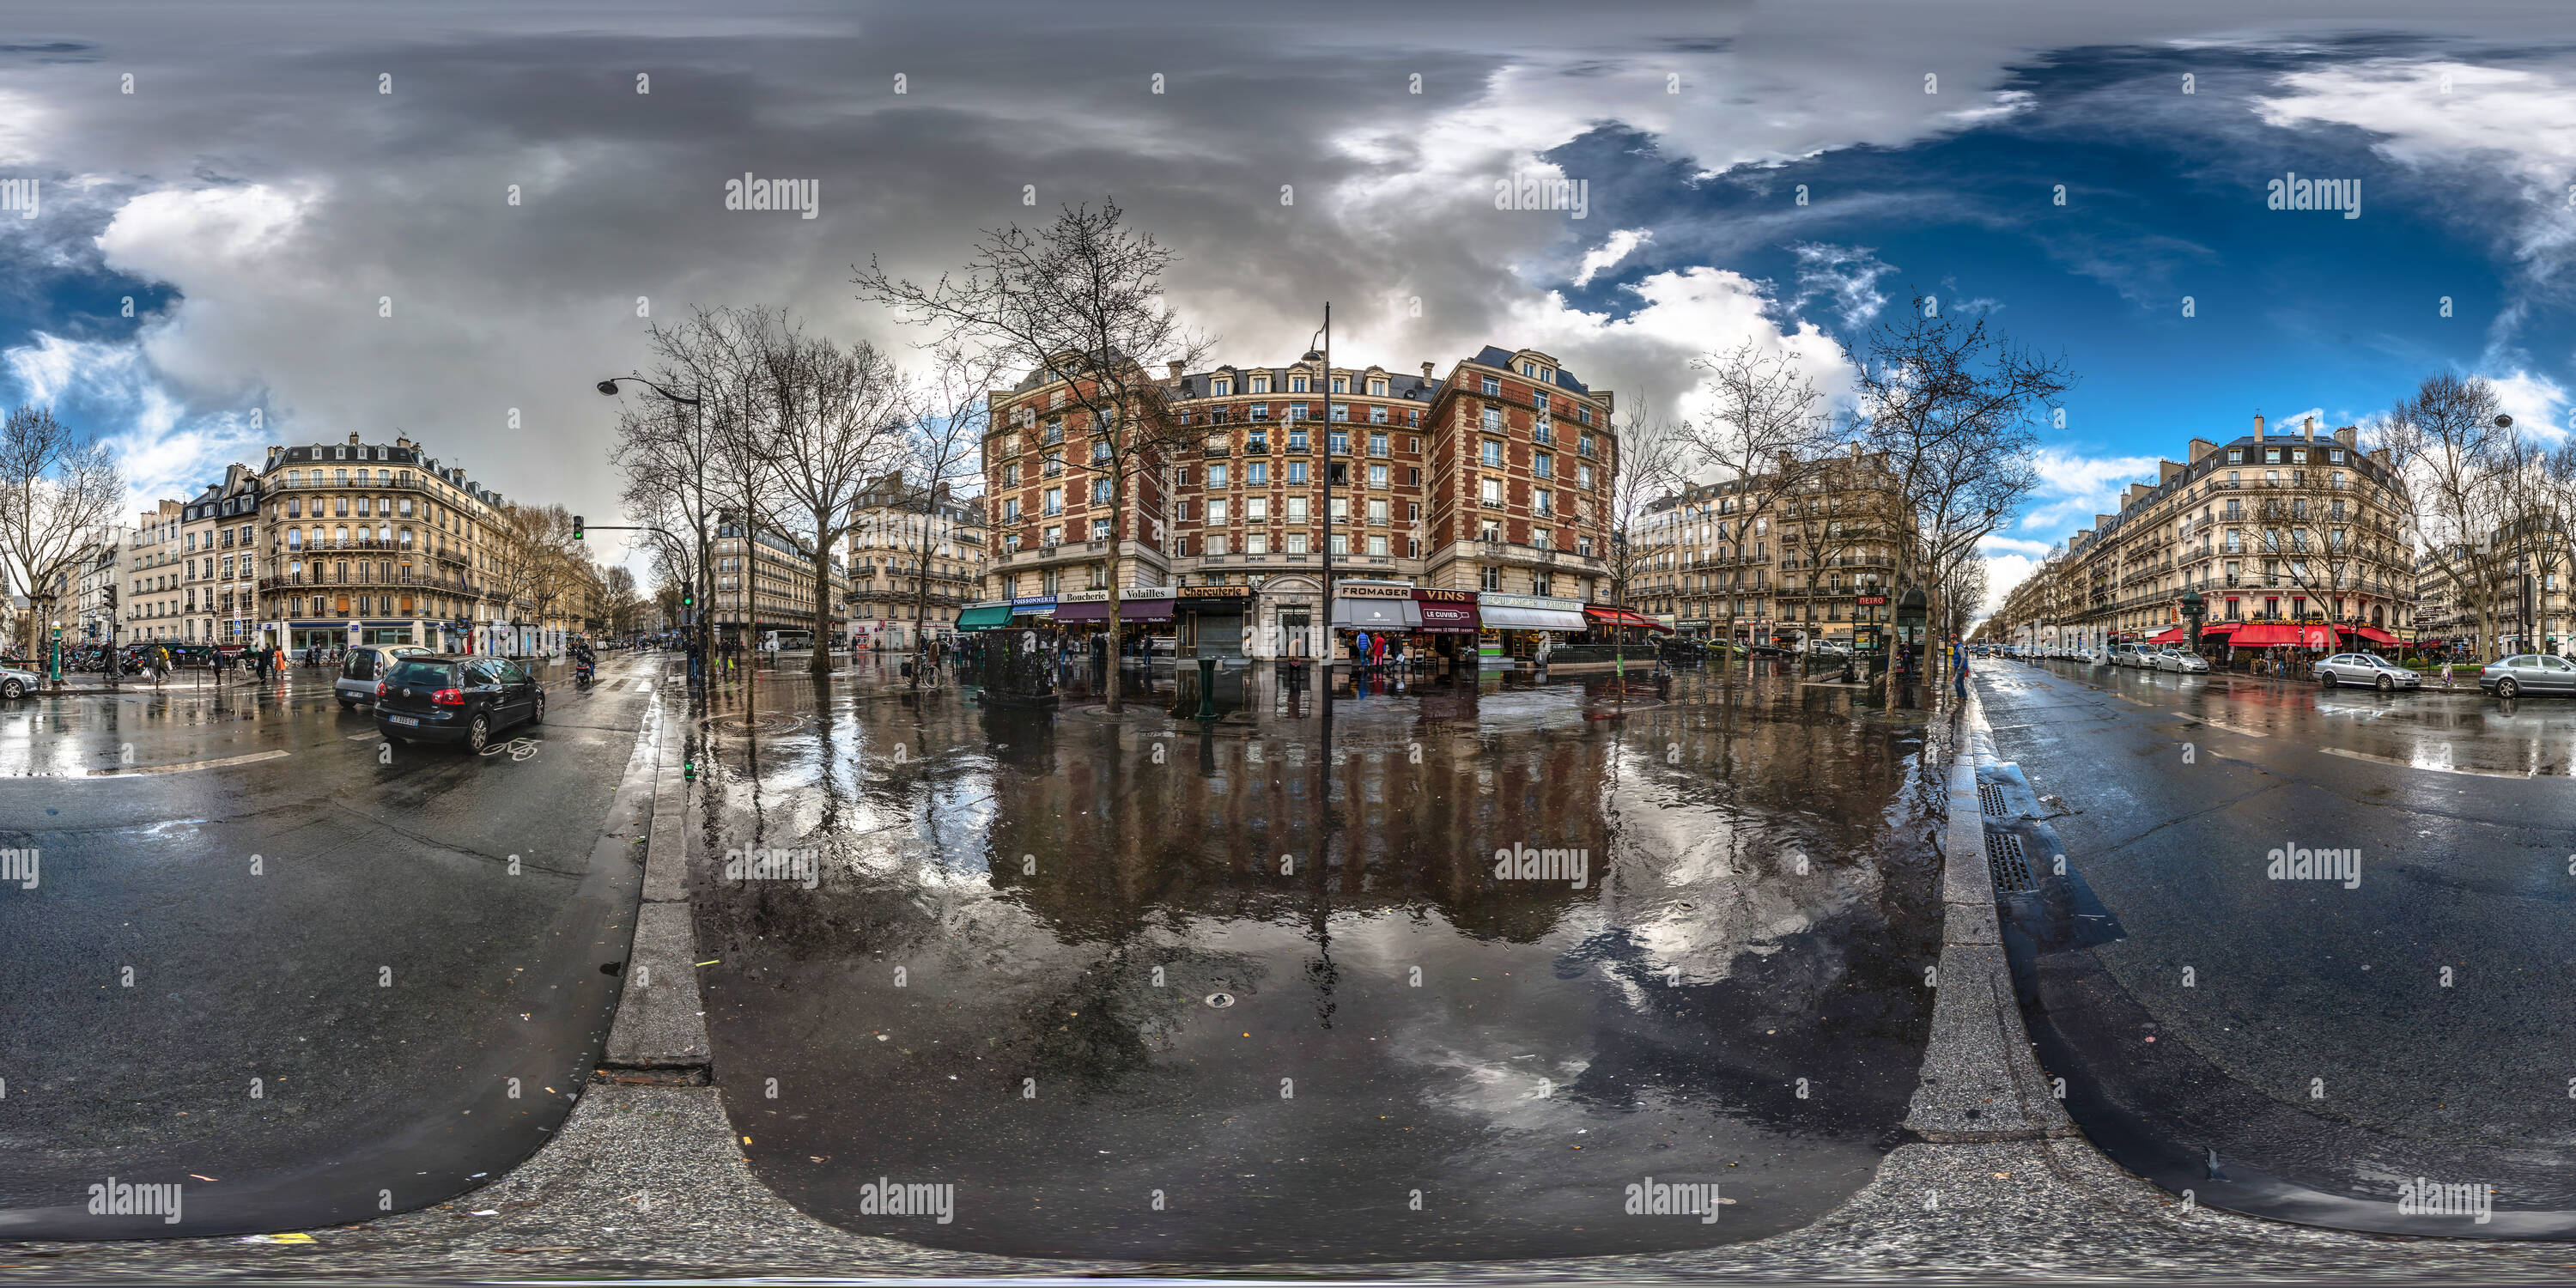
(1375, 615)
(1500, 617)
(1601, 616)
(984, 617)
(1446, 612)
(2175, 636)
(2283, 634)
(2373, 634)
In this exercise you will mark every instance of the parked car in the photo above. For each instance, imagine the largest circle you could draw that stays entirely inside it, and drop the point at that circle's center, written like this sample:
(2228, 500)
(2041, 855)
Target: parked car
(2366, 668)
(2126, 655)
(446, 697)
(16, 682)
(365, 665)
(2528, 673)
(2182, 660)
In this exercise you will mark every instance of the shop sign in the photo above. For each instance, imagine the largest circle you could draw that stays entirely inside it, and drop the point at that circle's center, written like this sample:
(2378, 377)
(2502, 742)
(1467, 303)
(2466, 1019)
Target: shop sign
(1348, 591)
(1500, 600)
(1213, 592)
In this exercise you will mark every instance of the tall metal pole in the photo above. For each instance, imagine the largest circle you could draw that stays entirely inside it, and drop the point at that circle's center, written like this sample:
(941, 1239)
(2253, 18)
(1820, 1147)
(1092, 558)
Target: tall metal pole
(1332, 530)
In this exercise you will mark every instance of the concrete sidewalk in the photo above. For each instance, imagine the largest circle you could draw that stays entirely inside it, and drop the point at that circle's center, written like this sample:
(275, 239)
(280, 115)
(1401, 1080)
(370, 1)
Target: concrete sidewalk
(646, 1179)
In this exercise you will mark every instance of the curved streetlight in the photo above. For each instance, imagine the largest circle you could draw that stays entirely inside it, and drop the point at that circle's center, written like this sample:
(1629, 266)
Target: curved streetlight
(706, 574)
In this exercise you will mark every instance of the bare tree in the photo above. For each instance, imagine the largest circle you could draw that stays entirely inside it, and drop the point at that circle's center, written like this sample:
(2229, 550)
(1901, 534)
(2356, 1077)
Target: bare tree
(1648, 465)
(951, 413)
(536, 563)
(1765, 435)
(833, 417)
(56, 487)
(2446, 443)
(1950, 411)
(666, 452)
(1081, 302)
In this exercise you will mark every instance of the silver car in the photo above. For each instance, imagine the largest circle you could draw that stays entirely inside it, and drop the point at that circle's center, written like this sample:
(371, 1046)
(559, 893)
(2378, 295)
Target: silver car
(2528, 673)
(18, 683)
(365, 665)
(2174, 659)
(2366, 668)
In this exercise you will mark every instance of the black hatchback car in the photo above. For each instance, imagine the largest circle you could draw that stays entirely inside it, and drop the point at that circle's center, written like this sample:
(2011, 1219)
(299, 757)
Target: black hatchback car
(445, 697)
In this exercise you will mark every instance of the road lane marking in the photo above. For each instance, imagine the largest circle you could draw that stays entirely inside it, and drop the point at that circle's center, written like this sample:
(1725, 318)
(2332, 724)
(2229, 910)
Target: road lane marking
(2439, 769)
(253, 758)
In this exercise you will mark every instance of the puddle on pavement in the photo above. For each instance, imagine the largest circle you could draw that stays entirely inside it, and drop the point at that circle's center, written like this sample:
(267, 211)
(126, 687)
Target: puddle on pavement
(982, 951)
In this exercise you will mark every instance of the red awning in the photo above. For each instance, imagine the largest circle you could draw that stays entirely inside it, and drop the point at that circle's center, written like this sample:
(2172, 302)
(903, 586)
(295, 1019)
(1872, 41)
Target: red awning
(2175, 636)
(2271, 634)
(1600, 616)
(2373, 634)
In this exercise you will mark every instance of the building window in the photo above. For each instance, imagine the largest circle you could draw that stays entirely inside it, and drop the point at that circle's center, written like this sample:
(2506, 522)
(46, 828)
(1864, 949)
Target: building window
(1492, 387)
(1257, 473)
(1297, 543)
(1491, 420)
(1490, 492)
(1260, 385)
(1543, 465)
(1220, 388)
(1489, 578)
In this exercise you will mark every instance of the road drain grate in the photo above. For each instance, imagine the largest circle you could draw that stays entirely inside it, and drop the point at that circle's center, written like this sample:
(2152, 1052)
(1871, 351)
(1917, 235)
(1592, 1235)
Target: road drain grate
(1990, 798)
(2011, 868)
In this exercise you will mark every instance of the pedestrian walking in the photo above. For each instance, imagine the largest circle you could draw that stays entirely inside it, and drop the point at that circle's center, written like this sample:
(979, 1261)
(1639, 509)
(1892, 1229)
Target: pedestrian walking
(2446, 673)
(1959, 671)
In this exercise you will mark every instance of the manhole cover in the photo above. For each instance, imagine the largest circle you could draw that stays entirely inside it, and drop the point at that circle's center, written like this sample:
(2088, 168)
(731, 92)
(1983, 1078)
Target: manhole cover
(1220, 1000)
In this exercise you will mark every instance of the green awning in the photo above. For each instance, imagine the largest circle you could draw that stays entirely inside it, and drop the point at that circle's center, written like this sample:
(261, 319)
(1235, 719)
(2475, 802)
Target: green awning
(984, 617)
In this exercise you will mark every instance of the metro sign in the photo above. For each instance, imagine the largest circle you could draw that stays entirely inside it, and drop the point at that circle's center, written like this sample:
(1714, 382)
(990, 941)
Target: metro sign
(1871, 599)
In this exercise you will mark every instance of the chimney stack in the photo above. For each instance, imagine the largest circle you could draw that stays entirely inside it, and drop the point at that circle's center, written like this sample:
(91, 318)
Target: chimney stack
(2258, 424)
(353, 438)
(1426, 370)
(1172, 370)
(2309, 429)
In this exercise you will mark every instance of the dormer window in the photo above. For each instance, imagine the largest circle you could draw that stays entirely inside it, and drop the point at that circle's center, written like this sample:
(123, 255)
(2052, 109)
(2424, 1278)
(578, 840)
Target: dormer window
(1260, 385)
(1220, 388)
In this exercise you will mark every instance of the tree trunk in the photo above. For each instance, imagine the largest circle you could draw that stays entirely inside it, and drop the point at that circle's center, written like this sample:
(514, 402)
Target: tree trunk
(921, 604)
(1117, 508)
(820, 660)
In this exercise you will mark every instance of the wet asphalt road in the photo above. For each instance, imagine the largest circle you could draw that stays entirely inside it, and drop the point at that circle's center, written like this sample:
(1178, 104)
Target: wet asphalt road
(2327, 1041)
(1127, 993)
(301, 985)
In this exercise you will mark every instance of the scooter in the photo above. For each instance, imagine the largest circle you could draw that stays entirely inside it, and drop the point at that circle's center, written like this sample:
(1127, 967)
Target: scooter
(582, 674)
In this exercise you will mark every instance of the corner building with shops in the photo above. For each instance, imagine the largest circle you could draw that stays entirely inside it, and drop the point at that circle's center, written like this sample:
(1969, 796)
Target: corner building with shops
(1465, 514)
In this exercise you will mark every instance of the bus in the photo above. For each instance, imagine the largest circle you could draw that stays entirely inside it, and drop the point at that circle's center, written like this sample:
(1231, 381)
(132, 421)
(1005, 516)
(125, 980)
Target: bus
(788, 641)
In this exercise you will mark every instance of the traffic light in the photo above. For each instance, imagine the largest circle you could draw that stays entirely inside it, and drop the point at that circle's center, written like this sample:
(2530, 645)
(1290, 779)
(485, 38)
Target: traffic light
(576, 527)
(688, 600)
(108, 594)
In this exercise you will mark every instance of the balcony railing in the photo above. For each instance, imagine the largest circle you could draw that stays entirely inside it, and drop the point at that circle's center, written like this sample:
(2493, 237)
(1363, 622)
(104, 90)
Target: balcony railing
(405, 580)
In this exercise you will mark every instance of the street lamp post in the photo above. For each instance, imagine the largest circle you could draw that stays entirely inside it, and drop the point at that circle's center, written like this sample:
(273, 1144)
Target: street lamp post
(705, 579)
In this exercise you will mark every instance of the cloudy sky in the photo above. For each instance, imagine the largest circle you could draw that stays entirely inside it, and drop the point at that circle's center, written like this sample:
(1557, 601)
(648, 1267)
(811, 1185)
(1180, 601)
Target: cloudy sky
(233, 197)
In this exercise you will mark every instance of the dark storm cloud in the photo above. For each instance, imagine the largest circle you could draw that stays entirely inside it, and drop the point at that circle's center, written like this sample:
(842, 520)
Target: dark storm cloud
(260, 176)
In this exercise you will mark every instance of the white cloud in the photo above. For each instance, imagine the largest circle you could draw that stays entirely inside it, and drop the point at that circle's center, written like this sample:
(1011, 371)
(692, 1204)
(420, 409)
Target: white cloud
(2536, 403)
(166, 449)
(2479, 124)
(1847, 275)
(2072, 489)
(1678, 316)
(1610, 253)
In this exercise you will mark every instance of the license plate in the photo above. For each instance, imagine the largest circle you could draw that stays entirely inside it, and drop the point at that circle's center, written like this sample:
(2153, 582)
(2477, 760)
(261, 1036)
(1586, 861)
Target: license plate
(409, 720)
